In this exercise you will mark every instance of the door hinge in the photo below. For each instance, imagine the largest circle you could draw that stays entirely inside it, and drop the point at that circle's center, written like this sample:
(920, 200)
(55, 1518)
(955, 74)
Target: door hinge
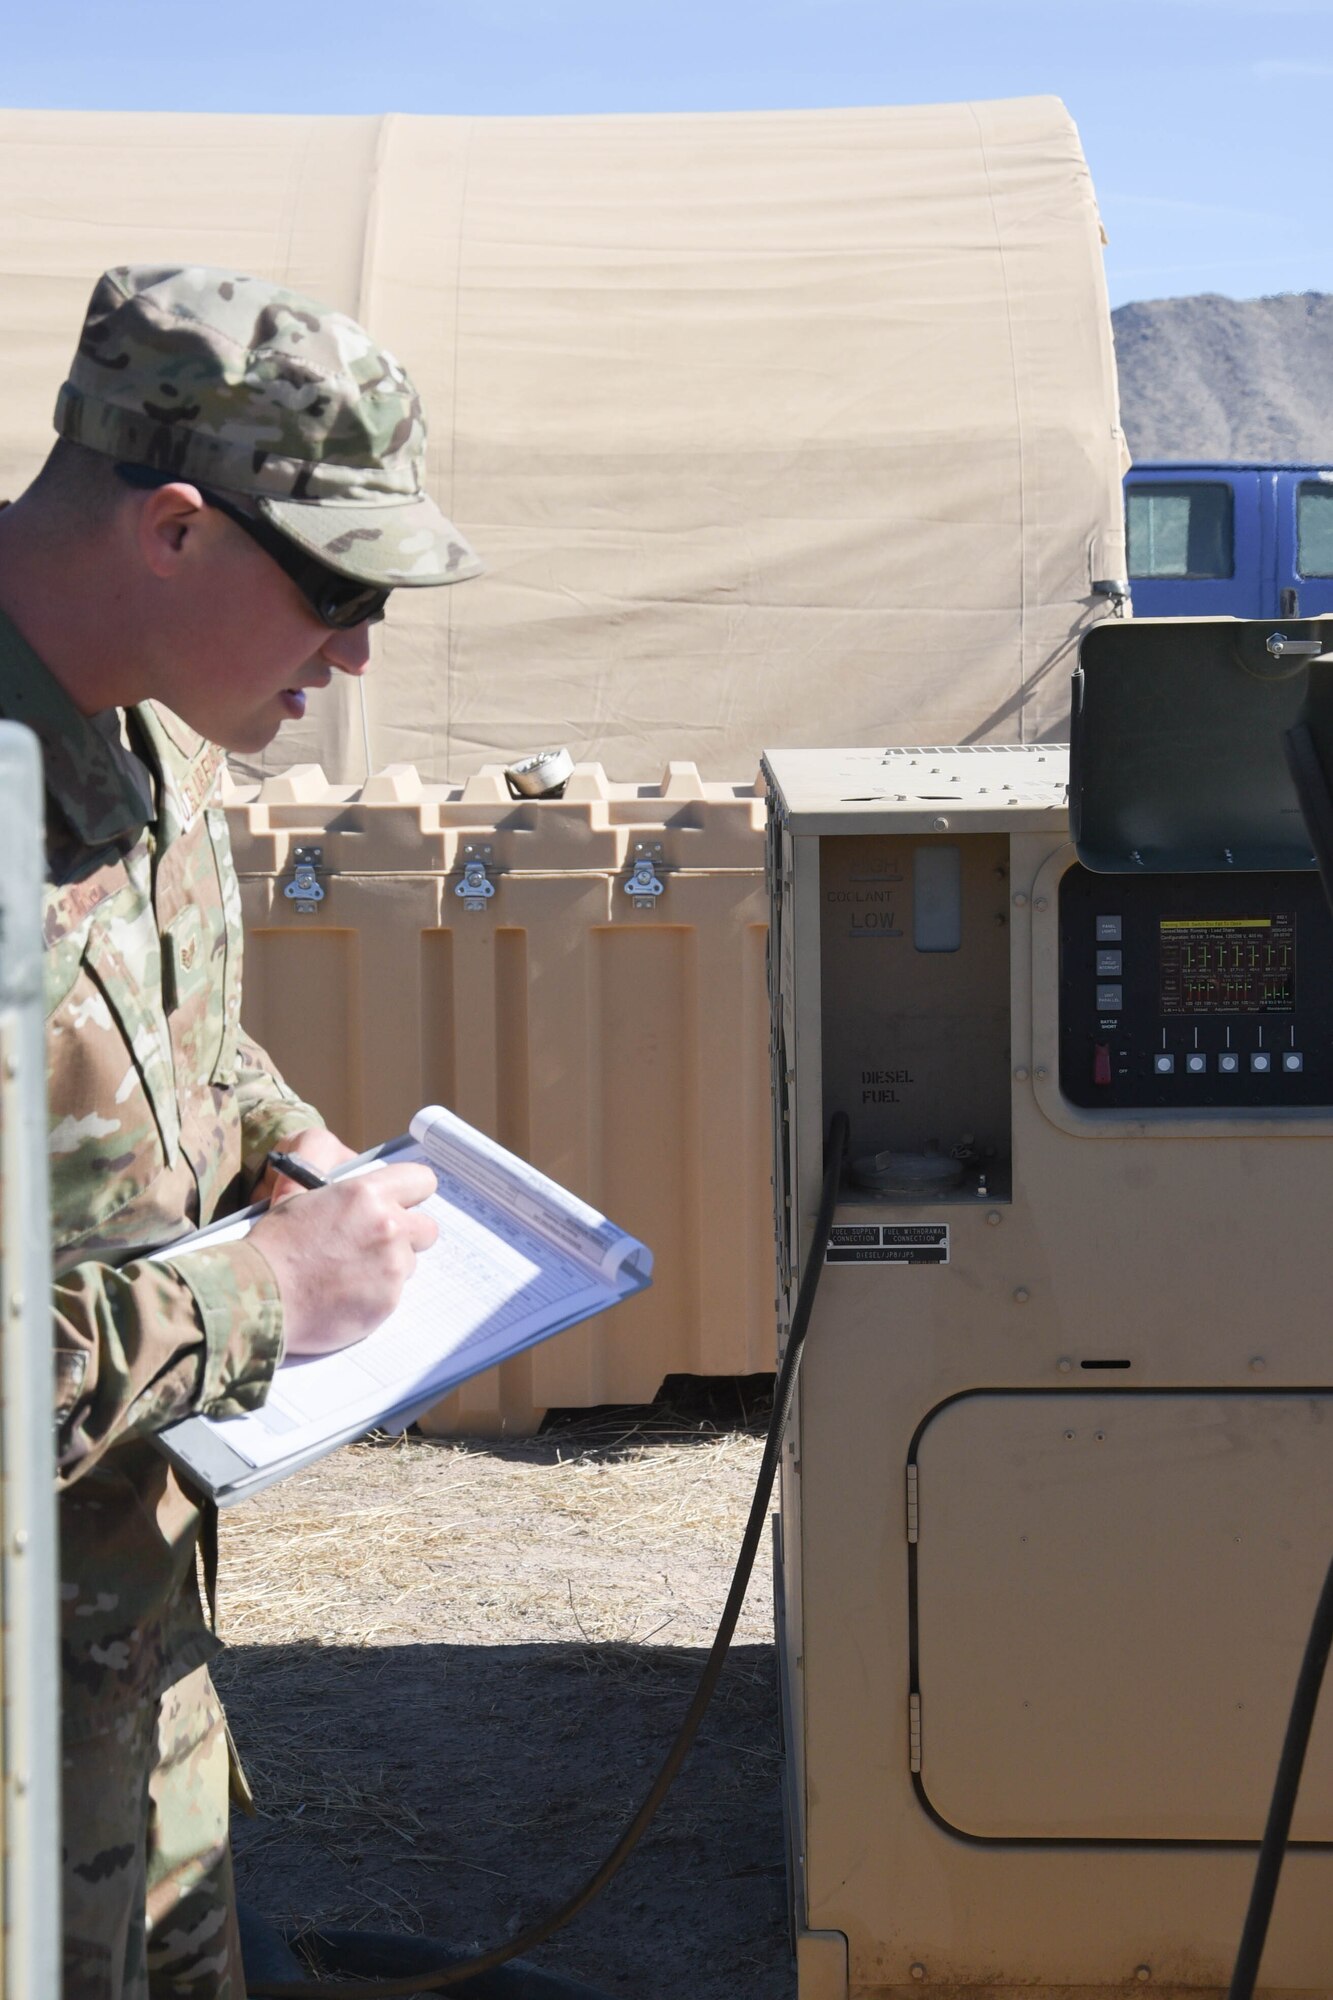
(912, 1518)
(914, 1730)
(305, 889)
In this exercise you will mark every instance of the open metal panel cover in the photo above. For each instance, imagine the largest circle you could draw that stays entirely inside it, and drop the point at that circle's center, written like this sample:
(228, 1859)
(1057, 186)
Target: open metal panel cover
(1176, 759)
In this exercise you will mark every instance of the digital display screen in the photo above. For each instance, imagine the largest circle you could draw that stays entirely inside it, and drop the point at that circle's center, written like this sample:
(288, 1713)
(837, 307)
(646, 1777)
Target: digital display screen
(1227, 965)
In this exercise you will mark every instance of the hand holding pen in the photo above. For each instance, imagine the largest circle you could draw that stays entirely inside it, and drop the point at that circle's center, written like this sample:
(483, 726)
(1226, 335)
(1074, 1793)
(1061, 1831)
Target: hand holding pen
(340, 1261)
(313, 1150)
(293, 1168)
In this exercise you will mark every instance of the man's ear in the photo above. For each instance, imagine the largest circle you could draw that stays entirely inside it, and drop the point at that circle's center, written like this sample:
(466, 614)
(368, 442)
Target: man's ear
(169, 516)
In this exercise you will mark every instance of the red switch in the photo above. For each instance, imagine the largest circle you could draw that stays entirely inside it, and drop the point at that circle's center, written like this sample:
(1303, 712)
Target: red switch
(1101, 1063)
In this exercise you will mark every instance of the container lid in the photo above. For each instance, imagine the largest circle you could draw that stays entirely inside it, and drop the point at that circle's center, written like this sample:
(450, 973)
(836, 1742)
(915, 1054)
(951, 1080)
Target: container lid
(1177, 762)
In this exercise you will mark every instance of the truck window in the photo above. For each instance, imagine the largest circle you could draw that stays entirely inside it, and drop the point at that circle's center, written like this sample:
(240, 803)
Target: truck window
(1314, 528)
(1180, 529)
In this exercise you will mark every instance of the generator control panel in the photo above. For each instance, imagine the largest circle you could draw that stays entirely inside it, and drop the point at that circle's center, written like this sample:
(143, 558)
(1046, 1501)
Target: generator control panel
(1198, 990)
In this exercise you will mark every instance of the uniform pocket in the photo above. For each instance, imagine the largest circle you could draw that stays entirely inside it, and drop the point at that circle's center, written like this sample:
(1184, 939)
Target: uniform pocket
(191, 993)
(109, 1086)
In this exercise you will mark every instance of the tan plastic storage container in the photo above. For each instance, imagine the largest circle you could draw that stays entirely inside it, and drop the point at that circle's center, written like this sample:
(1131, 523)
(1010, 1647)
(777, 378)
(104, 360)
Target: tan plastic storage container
(584, 979)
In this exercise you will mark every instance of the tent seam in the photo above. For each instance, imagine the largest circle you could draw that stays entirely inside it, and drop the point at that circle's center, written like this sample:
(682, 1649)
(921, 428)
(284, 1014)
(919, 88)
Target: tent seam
(468, 130)
(365, 284)
(1018, 426)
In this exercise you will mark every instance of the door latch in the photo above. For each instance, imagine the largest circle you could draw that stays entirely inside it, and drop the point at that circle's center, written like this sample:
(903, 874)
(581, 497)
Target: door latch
(305, 889)
(476, 887)
(1281, 647)
(644, 883)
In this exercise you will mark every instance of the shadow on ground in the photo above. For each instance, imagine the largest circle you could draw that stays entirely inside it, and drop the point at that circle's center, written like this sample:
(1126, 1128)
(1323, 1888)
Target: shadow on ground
(464, 1790)
(688, 1409)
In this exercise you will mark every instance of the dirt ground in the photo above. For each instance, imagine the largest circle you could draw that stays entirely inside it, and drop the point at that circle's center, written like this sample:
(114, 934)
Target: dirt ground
(454, 1668)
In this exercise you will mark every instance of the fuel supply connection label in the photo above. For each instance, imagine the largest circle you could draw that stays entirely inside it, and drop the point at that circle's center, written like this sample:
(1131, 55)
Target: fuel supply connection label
(888, 1243)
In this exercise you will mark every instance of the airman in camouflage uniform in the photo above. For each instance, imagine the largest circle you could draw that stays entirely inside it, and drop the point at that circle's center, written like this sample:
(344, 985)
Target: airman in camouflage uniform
(254, 462)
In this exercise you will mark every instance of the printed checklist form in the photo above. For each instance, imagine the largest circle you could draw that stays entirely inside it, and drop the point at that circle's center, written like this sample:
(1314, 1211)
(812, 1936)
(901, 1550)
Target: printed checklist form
(517, 1259)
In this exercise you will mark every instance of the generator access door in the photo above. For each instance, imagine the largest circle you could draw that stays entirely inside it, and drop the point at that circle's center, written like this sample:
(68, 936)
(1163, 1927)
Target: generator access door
(1104, 1582)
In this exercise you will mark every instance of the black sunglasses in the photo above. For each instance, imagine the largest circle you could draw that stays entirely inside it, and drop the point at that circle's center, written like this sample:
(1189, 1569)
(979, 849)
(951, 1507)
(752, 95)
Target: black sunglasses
(339, 601)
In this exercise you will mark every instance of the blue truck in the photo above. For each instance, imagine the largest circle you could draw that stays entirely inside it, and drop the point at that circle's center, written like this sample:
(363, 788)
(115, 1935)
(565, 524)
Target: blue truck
(1239, 539)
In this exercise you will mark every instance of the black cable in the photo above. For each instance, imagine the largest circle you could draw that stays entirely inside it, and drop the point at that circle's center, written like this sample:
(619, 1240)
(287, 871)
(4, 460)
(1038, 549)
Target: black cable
(1273, 1847)
(1316, 804)
(784, 1390)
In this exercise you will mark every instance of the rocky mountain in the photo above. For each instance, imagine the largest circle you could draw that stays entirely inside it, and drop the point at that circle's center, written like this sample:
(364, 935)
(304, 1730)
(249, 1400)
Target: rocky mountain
(1211, 377)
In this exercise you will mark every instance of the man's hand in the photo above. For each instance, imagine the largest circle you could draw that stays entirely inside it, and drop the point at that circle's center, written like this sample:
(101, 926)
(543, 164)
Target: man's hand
(342, 1254)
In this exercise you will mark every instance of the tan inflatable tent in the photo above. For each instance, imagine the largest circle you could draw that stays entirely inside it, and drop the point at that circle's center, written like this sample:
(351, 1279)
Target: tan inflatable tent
(790, 427)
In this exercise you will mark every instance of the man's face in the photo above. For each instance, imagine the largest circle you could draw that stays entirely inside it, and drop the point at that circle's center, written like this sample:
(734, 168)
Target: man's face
(247, 647)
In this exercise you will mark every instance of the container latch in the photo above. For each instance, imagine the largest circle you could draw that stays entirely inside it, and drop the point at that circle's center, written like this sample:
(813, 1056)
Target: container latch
(305, 889)
(644, 883)
(476, 887)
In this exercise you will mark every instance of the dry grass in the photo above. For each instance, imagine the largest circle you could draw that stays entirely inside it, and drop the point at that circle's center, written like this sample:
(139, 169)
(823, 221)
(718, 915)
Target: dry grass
(555, 1541)
(454, 1669)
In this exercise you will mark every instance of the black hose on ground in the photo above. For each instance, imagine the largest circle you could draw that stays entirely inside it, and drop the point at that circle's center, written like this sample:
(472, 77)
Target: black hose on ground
(390, 1955)
(268, 1955)
(437, 1979)
(1273, 1847)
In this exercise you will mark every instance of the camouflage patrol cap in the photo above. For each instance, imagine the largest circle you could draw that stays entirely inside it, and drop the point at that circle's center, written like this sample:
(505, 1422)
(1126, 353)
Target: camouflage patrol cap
(233, 383)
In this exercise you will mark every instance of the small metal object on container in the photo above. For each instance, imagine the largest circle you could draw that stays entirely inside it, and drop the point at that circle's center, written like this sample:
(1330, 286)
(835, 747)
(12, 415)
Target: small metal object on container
(476, 887)
(305, 889)
(544, 775)
(643, 882)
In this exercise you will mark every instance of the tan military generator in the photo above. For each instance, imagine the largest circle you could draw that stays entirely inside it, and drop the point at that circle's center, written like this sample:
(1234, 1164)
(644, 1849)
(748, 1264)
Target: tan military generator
(1059, 1499)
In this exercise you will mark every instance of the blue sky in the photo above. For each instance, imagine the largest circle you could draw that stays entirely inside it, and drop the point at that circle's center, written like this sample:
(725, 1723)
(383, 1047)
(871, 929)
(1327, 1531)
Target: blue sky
(1202, 119)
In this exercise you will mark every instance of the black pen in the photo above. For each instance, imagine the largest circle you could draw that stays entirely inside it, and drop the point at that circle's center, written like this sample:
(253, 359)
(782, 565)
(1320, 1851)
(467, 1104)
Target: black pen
(296, 1170)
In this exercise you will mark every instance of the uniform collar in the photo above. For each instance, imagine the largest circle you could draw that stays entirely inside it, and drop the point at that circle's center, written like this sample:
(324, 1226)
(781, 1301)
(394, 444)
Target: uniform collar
(87, 774)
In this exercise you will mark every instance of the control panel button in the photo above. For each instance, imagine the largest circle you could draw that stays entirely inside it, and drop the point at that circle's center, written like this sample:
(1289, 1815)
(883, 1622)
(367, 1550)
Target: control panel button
(1110, 964)
(1164, 1063)
(1196, 1063)
(1260, 1060)
(1108, 930)
(1228, 1063)
(1292, 1060)
(1110, 999)
(1101, 1063)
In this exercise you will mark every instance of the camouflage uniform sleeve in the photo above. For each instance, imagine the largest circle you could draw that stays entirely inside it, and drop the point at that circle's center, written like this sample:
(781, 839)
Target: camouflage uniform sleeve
(271, 1112)
(139, 1346)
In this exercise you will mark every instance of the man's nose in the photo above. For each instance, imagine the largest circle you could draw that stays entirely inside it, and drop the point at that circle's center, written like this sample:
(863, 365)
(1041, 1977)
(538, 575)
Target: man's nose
(348, 650)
